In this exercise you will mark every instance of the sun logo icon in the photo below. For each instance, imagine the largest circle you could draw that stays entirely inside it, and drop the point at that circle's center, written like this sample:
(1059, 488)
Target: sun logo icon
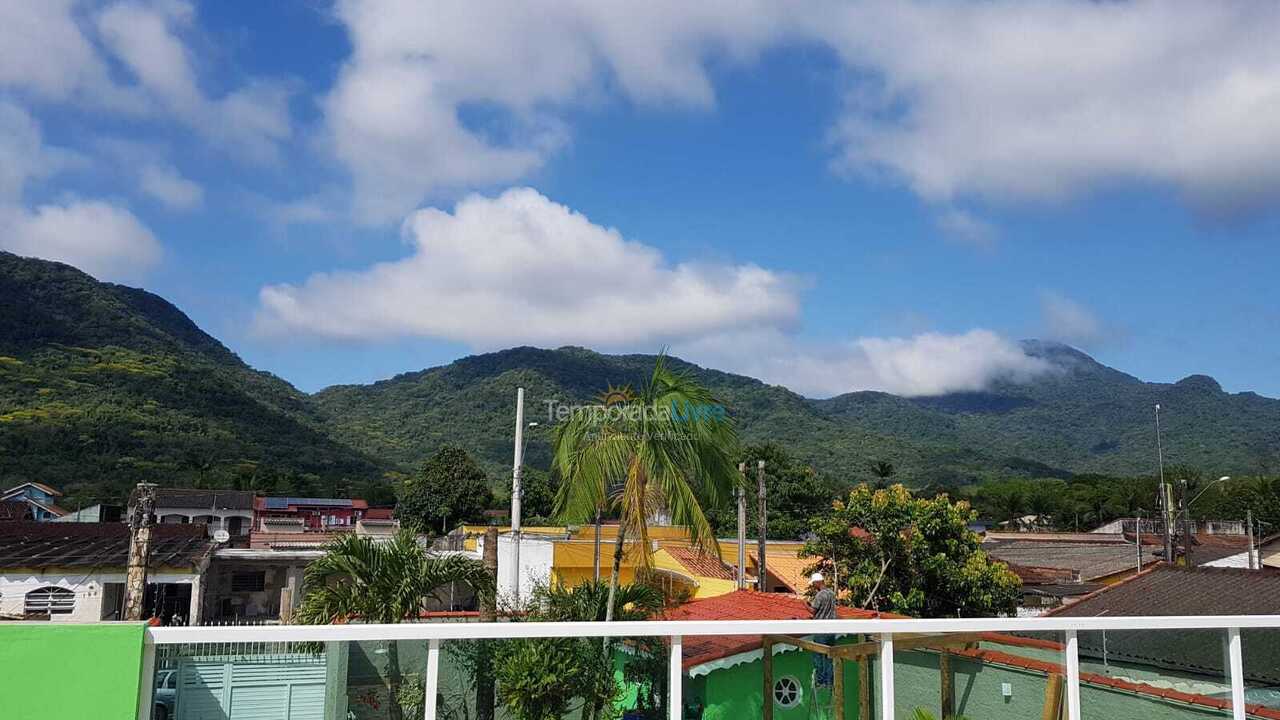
(617, 396)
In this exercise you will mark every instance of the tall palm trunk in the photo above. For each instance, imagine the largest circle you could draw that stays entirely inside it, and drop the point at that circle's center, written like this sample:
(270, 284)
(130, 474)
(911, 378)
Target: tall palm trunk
(393, 681)
(613, 578)
(596, 554)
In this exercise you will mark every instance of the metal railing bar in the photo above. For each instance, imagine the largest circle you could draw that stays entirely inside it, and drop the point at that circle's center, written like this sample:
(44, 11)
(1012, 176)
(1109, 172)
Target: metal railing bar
(663, 628)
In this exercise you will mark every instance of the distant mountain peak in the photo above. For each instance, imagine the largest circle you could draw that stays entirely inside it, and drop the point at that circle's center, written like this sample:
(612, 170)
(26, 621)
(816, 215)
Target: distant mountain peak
(1199, 382)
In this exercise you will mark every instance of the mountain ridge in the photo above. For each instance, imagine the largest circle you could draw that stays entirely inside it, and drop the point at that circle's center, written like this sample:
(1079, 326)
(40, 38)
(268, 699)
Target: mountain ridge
(103, 385)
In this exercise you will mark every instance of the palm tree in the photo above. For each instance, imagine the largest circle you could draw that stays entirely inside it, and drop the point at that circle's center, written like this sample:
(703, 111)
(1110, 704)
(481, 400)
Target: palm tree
(383, 582)
(883, 471)
(664, 448)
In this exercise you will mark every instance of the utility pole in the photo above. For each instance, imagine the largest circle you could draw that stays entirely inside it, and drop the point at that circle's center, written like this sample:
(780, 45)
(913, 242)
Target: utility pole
(488, 613)
(515, 496)
(742, 526)
(762, 582)
(1165, 494)
(141, 508)
(1137, 537)
(1248, 528)
(1185, 510)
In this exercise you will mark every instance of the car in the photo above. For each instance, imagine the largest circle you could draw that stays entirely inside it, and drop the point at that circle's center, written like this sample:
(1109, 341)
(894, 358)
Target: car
(165, 696)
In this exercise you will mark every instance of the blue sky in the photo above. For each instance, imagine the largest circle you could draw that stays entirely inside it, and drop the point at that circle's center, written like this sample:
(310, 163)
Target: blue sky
(831, 196)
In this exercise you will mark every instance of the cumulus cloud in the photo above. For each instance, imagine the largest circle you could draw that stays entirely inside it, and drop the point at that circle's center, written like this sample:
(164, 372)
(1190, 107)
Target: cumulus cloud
(166, 184)
(1070, 322)
(397, 117)
(102, 239)
(921, 365)
(520, 268)
(1014, 100)
(64, 51)
(1002, 100)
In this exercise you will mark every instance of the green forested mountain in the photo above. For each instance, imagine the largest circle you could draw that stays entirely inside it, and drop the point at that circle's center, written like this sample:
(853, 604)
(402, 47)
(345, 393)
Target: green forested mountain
(102, 386)
(1081, 418)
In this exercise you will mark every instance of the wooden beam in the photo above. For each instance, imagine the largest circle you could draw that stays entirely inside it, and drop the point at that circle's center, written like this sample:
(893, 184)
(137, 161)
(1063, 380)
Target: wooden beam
(766, 646)
(948, 699)
(864, 689)
(1052, 698)
(837, 688)
(801, 643)
(907, 641)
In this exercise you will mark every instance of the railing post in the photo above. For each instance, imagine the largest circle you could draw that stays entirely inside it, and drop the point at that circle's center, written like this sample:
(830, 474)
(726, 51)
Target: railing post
(675, 678)
(1235, 657)
(886, 677)
(147, 679)
(433, 680)
(1073, 676)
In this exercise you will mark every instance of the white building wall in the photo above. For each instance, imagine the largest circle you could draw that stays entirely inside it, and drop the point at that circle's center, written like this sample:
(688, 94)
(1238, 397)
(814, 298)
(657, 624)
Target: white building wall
(536, 555)
(89, 589)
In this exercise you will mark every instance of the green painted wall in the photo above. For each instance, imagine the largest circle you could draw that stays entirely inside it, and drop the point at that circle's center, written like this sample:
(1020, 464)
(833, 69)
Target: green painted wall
(736, 692)
(67, 670)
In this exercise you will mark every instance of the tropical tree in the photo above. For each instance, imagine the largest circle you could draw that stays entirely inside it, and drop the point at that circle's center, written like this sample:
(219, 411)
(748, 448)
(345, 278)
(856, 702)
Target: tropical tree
(451, 488)
(892, 551)
(796, 494)
(359, 579)
(663, 449)
(539, 678)
(883, 471)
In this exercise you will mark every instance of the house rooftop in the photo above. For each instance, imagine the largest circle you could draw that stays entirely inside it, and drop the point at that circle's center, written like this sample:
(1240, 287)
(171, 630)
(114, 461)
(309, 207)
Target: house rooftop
(1089, 561)
(36, 545)
(204, 499)
(1170, 590)
(742, 605)
(39, 486)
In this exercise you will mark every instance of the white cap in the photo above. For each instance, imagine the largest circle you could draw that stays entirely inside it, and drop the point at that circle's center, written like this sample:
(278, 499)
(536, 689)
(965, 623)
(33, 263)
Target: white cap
(816, 577)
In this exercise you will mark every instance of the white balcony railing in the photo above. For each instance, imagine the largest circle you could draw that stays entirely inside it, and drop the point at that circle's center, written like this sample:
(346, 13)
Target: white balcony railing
(884, 629)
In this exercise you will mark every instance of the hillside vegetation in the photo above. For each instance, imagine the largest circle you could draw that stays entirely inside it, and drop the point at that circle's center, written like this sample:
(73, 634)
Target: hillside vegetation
(102, 386)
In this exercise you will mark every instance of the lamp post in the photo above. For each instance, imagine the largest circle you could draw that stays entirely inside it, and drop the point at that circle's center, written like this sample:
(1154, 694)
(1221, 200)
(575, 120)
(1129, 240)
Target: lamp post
(1186, 513)
(1166, 515)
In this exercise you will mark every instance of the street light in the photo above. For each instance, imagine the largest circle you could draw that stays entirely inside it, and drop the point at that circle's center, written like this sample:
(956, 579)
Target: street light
(1222, 479)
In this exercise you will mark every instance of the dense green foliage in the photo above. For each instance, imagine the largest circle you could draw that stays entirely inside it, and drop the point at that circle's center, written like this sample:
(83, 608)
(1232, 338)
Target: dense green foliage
(384, 582)
(895, 552)
(796, 494)
(450, 489)
(545, 678)
(103, 386)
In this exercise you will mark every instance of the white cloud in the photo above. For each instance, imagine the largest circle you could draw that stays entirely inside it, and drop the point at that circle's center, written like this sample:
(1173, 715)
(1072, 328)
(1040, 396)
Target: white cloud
(1067, 321)
(921, 365)
(1003, 100)
(1015, 100)
(166, 184)
(520, 268)
(396, 115)
(102, 239)
(965, 227)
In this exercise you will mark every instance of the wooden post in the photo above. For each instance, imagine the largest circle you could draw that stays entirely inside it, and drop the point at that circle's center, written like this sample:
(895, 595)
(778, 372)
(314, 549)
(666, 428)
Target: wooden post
(762, 581)
(141, 509)
(742, 526)
(488, 613)
(837, 688)
(864, 688)
(766, 648)
(1052, 698)
(948, 689)
(286, 606)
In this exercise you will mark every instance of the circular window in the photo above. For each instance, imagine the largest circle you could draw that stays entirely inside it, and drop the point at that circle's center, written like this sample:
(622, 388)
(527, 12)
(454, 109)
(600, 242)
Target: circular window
(787, 692)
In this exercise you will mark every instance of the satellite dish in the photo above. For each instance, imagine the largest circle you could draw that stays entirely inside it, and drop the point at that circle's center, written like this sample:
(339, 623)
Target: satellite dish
(221, 536)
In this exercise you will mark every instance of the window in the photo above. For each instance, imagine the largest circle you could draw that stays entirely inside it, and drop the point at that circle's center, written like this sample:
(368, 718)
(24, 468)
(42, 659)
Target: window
(787, 692)
(251, 581)
(50, 601)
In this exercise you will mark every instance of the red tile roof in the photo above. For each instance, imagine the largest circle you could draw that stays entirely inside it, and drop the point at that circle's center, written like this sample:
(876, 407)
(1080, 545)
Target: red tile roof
(700, 564)
(742, 605)
(380, 514)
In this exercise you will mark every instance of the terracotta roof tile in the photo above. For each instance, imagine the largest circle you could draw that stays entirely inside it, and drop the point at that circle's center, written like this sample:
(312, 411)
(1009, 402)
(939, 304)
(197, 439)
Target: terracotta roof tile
(699, 564)
(742, 605)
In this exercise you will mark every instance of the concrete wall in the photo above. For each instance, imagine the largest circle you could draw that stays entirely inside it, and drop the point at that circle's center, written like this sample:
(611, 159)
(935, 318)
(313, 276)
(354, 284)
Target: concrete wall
(93, 591)
(535, 564)
(70, 671)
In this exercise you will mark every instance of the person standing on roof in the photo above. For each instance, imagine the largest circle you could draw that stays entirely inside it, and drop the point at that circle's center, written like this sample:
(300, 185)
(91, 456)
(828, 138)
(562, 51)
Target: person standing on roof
(822, 607)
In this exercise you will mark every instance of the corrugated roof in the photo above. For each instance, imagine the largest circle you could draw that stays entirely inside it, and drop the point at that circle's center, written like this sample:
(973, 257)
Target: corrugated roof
(742, 605)
(204, 499)
(103, 546)
(1089, 561)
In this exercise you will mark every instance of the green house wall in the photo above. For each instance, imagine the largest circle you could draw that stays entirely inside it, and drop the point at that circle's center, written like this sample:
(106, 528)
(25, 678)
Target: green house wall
(69, 670)
(736, 693)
